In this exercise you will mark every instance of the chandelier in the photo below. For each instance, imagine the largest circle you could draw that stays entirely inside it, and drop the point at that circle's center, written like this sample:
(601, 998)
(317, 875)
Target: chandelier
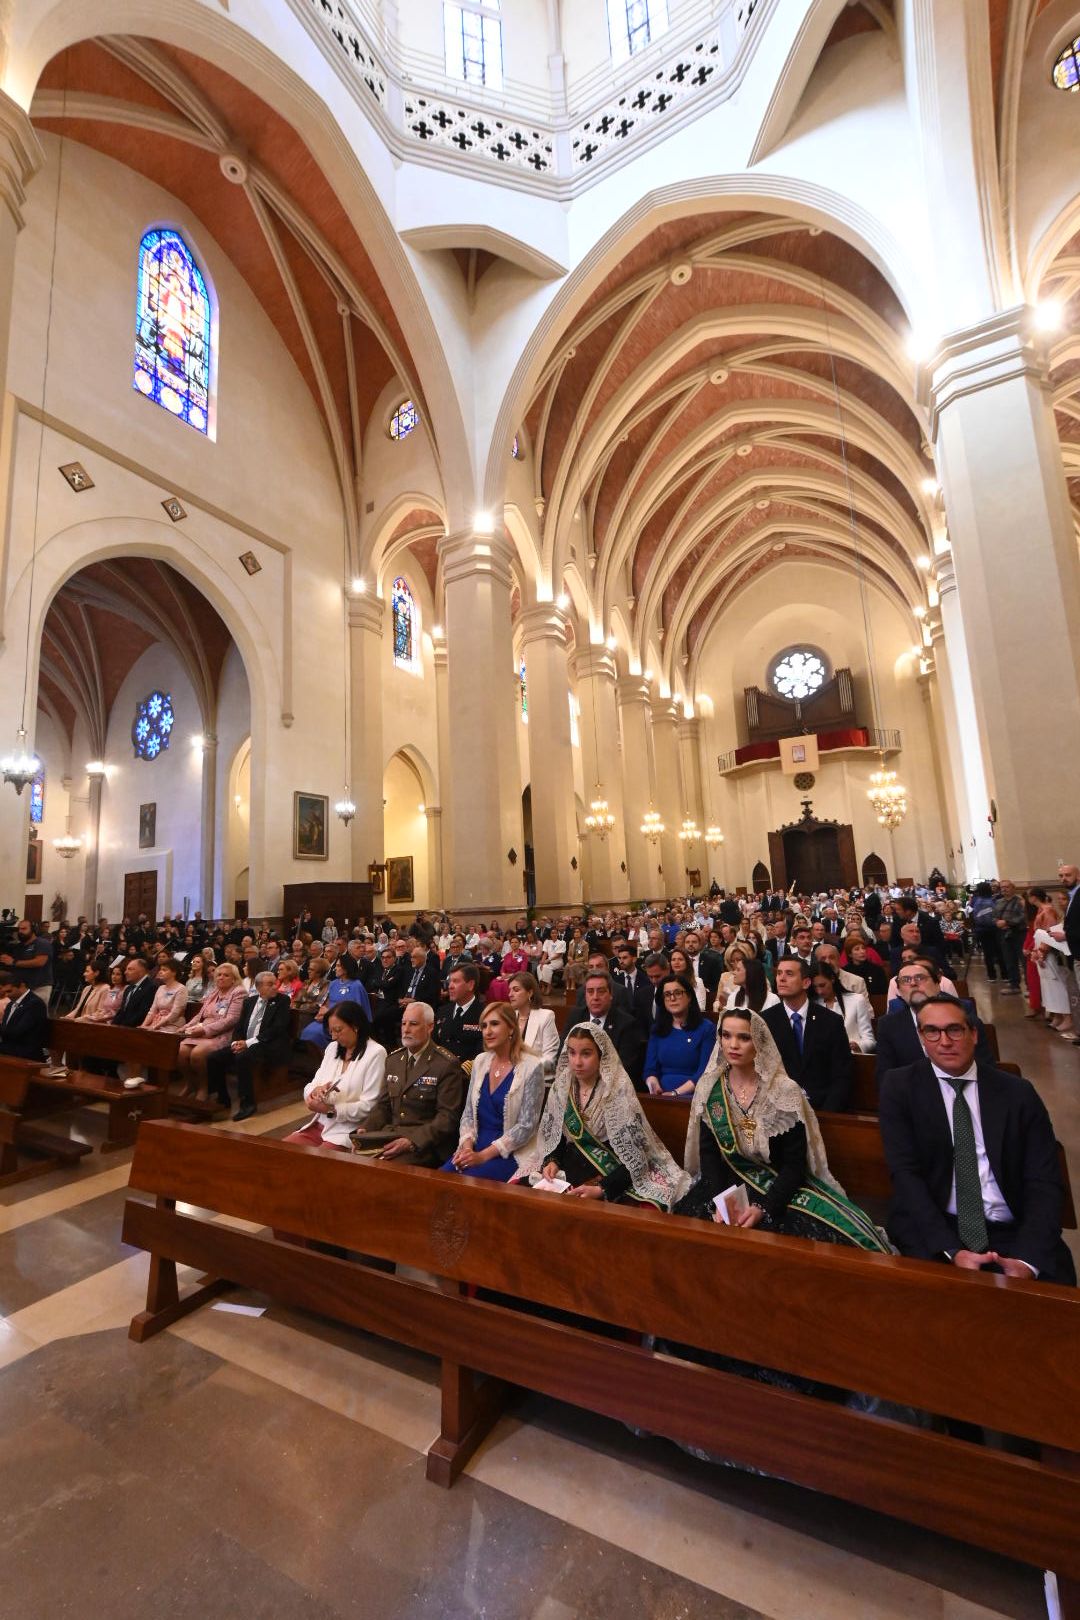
(20, 766)
(888, 797)
(68, 846)
(600, 820)
(652, 827)
(689, 832)
(713, 837)
(345, 809)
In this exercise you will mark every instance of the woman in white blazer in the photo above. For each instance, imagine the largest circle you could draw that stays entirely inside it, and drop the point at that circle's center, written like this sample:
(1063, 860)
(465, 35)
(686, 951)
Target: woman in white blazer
(539, 1030)
(348, 1081)
(853, 1009)
(505, 1100)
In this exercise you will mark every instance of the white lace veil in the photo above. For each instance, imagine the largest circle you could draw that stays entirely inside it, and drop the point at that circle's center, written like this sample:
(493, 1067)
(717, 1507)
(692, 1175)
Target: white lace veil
(781, 1103)
(614, 1115)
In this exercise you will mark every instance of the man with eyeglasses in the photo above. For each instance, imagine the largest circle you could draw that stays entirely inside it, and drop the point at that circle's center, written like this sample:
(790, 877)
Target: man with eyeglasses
(972, 1155)
(898, 1040)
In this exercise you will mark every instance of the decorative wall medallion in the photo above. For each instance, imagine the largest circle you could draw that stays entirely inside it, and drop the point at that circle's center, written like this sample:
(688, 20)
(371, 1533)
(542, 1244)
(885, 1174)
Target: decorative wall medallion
(448, 1231)
(250, 563)
(174, 510)
(804, 780)
(77, 476)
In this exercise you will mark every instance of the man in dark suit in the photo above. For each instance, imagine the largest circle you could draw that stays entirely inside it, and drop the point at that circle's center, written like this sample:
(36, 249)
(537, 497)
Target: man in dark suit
(385, 993)
(138, 993)
(802, 944)
(24, 1026)
(598, 963)
(656, 968)
(910, 926)
(458, 1020)
(898, 1042)
(622, 1027)
(261, 1039)
(635, 982)
(812, 1040)
(973, 1159)
(424, 983)
(422, 1097)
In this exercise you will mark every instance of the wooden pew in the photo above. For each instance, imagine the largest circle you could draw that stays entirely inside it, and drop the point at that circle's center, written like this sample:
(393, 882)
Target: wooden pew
(907, 1331)
(17, 1135)
(149, 1051)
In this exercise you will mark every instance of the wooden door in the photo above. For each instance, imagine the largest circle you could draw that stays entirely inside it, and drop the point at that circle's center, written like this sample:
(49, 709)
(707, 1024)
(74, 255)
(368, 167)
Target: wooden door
(140, 895)
(32, 907)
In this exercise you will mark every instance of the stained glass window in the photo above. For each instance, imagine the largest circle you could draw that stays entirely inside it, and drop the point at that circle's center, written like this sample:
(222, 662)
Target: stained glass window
(37, 799)
(152, 725)
(516, 449)
(798, 673)
(524, 694)
(404, 419)
(634, 24)
(1067, 67)
(473, 36)
(172, 329)
(404, 609)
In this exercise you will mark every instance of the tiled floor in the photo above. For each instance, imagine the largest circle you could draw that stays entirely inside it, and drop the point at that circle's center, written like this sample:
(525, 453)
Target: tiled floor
(273, 1465)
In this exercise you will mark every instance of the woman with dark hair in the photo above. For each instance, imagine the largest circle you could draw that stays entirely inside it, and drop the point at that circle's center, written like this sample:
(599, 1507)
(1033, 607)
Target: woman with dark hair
(347, 1084)
(536, 1022)
(681, 1042)
(752, 988)
(853, 1008)
(683, 968)
(344, 986)
(93, 1004)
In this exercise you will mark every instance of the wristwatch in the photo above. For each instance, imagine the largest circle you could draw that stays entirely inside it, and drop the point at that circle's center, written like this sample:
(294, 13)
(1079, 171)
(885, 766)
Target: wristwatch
(331, 1112)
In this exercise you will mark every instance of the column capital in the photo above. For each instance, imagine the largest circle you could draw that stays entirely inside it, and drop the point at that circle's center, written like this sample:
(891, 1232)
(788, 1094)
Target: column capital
(664, 712)
(465, 555)
(366, 613)
(945, 574)
(543, 622)
(631, 689)
(440, 657)
(21, 155)
(433, 812)
(594, 663)
(997, 350)
(689, 727)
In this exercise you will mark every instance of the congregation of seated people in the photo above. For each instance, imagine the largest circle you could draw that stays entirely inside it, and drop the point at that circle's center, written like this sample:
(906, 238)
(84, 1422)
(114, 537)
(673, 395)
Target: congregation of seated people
(522, 1053)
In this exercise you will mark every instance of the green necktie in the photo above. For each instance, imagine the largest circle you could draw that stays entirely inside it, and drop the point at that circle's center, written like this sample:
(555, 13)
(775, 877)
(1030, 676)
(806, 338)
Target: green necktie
(970, 1216)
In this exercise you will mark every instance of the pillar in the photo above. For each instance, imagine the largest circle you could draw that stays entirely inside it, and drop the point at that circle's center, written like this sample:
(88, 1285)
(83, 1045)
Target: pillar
(694, 855)
(551, 765)
(962, 728)
(604, 858)
(205, 902)
(366, 747)
(669, 795)
(1018, 581)
(635, 720)
(91, 849)
(20, 158)
(441, 662)
(480, 785)
(433, 816)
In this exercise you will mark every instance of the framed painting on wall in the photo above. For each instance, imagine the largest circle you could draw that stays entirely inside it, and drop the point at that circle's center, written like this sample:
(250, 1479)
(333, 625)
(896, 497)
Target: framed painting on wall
(147, 825)
(33, 857)
(310, 811)
(376, 877)
(399, 880)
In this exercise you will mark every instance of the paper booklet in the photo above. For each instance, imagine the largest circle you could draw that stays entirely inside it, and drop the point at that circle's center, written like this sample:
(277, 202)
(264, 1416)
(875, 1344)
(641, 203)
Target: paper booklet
(732, 1203)
(559, 1185)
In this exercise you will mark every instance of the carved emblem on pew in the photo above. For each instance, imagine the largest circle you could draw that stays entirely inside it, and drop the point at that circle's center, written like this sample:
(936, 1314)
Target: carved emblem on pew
(448, 1230)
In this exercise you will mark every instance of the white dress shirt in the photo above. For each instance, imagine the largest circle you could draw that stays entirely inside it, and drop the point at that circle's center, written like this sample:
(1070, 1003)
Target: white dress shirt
(994, 1206)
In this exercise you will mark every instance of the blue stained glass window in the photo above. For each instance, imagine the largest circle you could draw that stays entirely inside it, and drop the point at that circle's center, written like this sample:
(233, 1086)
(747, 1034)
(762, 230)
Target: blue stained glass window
(172, 329)
(153, 725)
(1067, 67)
(516, 449)
(37, 799)
(524, 694)
(404, 609)
(404, 419)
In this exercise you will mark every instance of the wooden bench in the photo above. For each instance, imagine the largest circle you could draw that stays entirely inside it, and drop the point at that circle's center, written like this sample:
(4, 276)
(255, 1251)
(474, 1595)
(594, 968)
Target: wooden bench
(17, 1135)
(148, 1051)
(907, 1331)
(853, 1147)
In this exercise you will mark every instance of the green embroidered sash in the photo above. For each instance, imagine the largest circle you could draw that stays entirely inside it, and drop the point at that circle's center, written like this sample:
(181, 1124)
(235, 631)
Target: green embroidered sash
(598, 1153)
(814, 1197)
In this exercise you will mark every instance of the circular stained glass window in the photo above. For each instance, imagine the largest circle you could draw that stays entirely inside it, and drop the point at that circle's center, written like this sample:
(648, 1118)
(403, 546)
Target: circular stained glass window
(1066, 74)
(152, 725)
(798, 673)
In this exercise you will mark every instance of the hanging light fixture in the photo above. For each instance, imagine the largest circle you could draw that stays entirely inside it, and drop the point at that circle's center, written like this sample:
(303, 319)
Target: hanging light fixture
(600, 820)
(345, 809)
(21, 765)
(652, 827)
(68, 846)
(713, 837)
(887, 796)
(689, 832)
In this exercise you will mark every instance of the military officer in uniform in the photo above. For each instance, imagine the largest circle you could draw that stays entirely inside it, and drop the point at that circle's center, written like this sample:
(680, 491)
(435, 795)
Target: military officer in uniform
(422, 1097)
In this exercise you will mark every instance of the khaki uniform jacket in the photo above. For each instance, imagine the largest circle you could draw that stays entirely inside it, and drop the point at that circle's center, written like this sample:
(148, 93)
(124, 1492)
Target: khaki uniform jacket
(422, 1100)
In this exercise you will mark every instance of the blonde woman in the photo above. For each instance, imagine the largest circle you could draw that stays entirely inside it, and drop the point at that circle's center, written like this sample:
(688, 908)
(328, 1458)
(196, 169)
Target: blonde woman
(210, 1029)
(505, 1100)
(537, 1023)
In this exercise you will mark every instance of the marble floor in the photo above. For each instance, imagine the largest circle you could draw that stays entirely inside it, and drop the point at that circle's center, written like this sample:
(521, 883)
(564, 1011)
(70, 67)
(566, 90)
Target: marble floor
(273, 1465)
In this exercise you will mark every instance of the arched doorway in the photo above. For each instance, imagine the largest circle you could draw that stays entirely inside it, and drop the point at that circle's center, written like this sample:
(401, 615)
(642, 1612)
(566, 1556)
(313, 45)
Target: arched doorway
(874, 871)
(813, 855)
(760, 878)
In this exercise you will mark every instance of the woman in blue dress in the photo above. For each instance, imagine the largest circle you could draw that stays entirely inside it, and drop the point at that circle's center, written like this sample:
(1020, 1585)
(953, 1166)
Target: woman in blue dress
(505, 1101)
(345, 986)
(682, 1040)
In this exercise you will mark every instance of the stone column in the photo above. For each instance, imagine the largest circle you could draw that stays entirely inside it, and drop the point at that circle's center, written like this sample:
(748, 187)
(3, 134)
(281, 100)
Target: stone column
(21, 156)
(605, 858)
(635, 719)
(1018, 582)
(209, 826)
(433, 816)
(480, 785)
(366, 745)
(442, 718)
(665, 717)
(689, 735)
(92, 848)
(551, 765)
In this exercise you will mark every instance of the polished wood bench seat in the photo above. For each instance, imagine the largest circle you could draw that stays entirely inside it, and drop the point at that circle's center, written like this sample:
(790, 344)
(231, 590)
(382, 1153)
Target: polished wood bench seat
(907, 1331)
(151, 1052)
(18, 1136)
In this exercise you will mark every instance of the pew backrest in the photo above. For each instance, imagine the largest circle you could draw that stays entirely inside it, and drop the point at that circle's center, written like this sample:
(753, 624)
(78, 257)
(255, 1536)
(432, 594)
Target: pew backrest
(154, 1050)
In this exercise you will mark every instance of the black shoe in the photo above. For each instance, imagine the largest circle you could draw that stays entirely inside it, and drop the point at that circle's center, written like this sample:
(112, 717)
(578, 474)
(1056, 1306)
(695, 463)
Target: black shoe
(245, 1113)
